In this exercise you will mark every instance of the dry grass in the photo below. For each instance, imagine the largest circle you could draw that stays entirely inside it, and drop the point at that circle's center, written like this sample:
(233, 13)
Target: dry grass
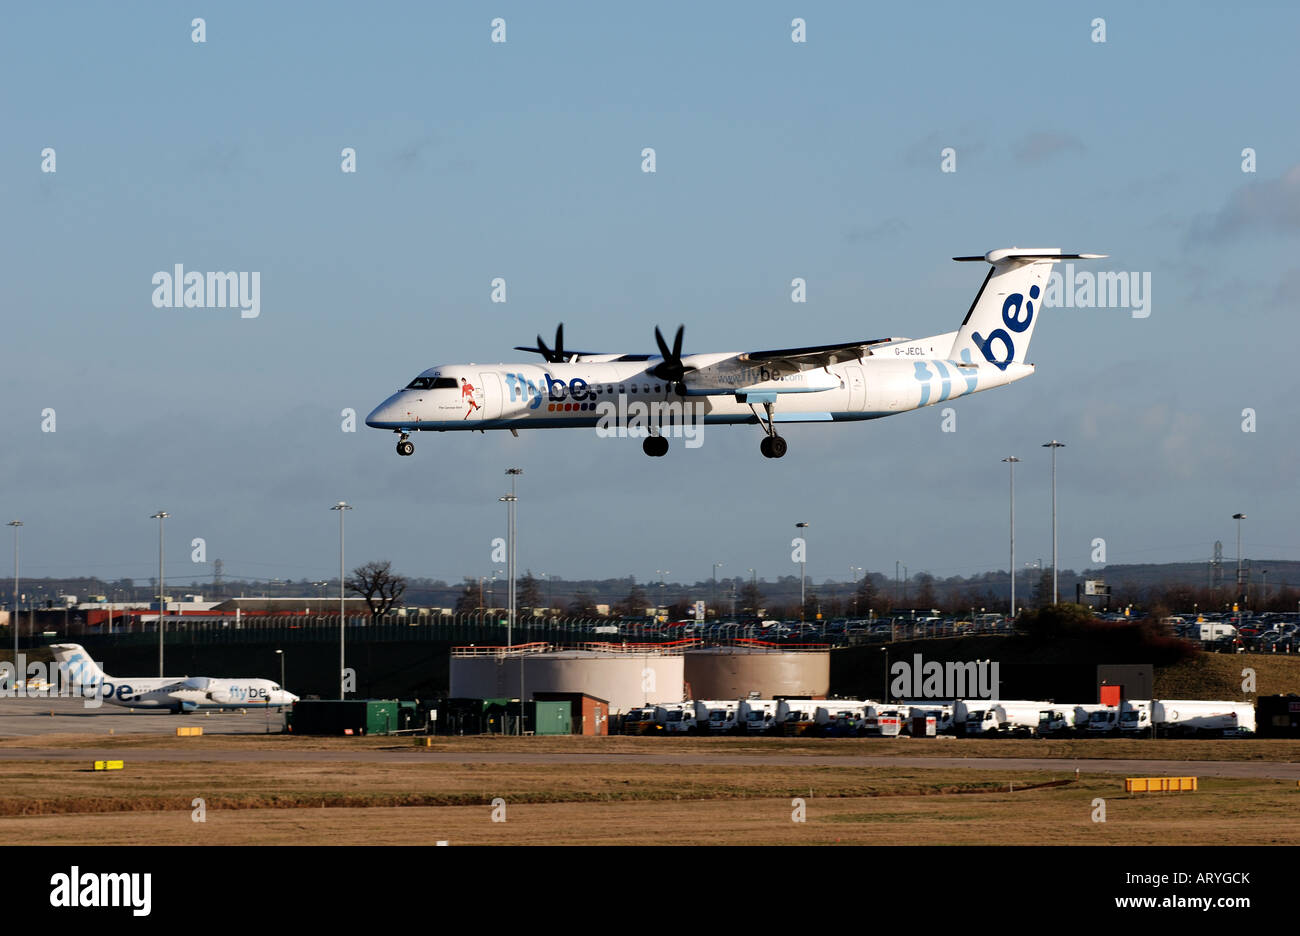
(1218, 676)
(1232, 749)
(570, 804)
(625, 801)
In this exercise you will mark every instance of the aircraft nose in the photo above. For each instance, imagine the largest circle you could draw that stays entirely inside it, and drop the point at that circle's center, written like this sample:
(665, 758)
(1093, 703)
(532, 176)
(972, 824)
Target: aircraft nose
(385, 414)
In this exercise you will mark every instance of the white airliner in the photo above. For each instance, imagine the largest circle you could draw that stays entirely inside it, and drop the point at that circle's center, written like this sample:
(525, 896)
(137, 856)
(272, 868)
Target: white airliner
(179, 694)
(827, 383)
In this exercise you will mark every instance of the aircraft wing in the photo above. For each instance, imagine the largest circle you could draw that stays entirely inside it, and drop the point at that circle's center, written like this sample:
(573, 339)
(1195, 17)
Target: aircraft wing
(815, 356)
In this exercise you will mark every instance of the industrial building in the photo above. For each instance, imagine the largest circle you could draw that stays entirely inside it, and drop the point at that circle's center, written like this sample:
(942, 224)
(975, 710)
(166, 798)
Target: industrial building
(758, 670)
(628, 676)
(622, 676)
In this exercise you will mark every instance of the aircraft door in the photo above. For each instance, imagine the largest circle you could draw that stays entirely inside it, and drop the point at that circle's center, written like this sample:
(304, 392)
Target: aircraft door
(857, 388)
(488, 397)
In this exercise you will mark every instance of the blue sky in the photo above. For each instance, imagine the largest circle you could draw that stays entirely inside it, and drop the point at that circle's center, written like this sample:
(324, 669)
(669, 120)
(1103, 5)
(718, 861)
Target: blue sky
(522, 160)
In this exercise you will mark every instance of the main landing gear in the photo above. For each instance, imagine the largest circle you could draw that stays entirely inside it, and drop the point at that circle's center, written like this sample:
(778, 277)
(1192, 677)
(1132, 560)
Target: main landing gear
(655, 446)
(772, 446)
(405, 446)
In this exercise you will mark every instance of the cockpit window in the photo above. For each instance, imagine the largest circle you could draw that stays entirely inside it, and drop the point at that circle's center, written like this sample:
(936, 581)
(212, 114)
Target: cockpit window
(432, 383)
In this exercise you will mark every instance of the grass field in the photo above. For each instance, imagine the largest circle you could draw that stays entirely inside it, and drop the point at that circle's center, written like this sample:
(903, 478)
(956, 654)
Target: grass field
(343, 801)
(1219, 676)
(1232, 749)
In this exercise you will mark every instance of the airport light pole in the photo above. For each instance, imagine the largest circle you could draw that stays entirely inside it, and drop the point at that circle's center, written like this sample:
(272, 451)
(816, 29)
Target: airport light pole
(713, 596)
(1054, 445)
(510, 500)
(160, 516)
(280, 654)
(341, 507)
(13, 618)
(1011, 463)
(1239, 517)
(803, 559)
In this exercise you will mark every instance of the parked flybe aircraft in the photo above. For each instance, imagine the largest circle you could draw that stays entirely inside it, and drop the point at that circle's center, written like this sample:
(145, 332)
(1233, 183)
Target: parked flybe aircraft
(646, 395)
(179, 694)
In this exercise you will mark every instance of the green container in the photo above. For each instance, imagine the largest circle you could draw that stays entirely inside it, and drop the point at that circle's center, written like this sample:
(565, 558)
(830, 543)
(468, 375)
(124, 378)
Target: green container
(335, 717)
(552, 718)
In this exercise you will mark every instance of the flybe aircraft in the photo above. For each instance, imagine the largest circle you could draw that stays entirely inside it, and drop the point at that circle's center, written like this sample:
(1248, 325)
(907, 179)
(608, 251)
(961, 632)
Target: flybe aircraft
(653, 396)
(183, 694)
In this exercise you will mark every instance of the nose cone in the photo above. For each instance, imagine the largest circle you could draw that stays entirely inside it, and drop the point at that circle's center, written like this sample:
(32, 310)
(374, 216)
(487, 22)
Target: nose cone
(285, 698)
(388, 414)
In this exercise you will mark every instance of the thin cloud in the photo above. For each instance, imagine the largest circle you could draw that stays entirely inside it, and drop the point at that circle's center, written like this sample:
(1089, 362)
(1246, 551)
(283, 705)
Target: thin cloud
(862, 234)
(1258, 207)
(927, 152)
(1045, 146)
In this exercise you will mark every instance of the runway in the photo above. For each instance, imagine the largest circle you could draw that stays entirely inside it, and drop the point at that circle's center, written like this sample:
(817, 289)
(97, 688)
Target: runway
(31, 717)
(1239, 769)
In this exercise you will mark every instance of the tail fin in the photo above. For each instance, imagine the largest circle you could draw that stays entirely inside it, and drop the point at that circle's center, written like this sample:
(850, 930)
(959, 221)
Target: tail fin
(1001, 319)
(78, 668)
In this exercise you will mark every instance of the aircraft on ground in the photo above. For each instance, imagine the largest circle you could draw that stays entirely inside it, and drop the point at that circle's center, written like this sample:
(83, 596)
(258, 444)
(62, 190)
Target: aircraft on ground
(179, 694)
(653, 396)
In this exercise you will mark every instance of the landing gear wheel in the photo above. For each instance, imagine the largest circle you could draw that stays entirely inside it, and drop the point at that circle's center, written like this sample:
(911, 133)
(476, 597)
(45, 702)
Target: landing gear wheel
(772, 446)
(655, 446)
(405, 448)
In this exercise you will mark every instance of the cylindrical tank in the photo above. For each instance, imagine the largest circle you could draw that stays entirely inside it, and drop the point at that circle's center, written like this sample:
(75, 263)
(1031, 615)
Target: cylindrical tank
(624, 680)
(735, 672)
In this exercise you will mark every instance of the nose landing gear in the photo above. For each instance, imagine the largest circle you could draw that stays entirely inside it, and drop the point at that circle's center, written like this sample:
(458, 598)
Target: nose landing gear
(405, 446)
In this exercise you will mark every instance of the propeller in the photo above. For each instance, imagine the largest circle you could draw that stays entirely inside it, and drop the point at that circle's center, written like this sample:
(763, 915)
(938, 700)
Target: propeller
(556, 355)
(671, 368)
(553, 355)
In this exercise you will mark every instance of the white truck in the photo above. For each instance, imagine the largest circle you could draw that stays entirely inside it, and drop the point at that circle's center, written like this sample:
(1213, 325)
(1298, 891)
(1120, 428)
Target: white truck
(640, 721)
(679, 718)
(839, 717)
(1185, 717)
(1000, 716)
(756, 716)
(884, 721)
(718, 715)
(797, 716)
(941, 710)
(1061, 719)
(1131, 716)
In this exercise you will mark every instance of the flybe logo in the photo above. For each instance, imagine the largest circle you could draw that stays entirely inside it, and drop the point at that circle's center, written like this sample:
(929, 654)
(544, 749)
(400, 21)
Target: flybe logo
(556, 391)
(1011, 309)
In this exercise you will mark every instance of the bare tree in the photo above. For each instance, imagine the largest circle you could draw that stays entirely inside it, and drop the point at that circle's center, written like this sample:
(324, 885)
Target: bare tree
(468, 601)
(529, 592)
(634, 604)
(376, 582)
